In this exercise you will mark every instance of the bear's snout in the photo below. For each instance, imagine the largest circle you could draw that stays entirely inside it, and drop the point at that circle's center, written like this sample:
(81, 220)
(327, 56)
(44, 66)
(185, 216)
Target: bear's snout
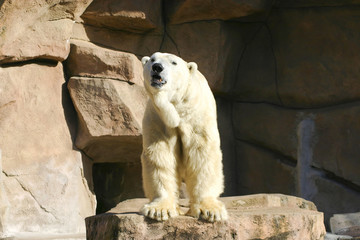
(157, 68)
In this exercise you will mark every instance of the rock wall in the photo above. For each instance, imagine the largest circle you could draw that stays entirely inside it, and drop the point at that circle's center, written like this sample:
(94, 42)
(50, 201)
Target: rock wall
(284, 74)
(44, 183)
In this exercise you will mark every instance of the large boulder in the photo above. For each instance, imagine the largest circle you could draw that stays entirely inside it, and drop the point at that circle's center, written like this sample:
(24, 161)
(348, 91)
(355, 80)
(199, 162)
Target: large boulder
(106, 87)
(251, 217)
(37, 29)
(128, 15)
(43, 181)
(110, 118)
(88, 60)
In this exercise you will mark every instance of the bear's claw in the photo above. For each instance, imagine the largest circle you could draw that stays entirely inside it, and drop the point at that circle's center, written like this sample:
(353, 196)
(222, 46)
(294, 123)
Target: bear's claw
(160, 211)
(210, 210)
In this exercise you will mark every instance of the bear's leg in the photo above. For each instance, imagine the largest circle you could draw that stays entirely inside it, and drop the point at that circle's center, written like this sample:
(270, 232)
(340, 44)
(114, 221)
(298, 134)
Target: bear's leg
(204, 180)
(160, 181)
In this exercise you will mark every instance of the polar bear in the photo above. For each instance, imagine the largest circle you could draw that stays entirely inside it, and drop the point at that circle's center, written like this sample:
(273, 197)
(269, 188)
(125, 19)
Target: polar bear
(180, 140)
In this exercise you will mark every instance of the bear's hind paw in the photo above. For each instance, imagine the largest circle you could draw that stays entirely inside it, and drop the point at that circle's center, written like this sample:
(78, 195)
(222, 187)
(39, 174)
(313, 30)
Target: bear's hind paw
(211, 210)
(160, 210)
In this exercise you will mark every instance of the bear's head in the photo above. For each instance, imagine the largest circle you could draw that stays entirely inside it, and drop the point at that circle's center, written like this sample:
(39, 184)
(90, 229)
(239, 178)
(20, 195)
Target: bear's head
(164, 71)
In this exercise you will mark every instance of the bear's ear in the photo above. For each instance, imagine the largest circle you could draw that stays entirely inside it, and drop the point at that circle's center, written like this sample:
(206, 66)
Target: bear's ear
(192, 66)
(144, 60)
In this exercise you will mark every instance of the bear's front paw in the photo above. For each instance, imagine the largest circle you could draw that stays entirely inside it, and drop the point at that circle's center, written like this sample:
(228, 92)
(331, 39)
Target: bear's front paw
(173, 121)
(209, 209)
(160, 210)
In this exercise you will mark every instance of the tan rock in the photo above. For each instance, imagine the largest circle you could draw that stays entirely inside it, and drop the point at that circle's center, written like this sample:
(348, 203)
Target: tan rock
(137, 43)
(88, 60)
(251, 217)
(37, 29)
(128, 15)
(110, 116)
(196, 10)
(4, 203)
(346, 224)
(41, 173)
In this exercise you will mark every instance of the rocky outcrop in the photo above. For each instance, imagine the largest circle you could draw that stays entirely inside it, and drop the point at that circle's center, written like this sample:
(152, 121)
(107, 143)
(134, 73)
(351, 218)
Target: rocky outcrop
(41, 172)
(110, 115)
(132, 16)
(37, 29)
(284, 74)
(250, 217)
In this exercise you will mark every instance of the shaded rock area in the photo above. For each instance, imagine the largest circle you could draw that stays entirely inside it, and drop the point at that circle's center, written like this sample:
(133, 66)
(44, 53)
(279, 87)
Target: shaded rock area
(262, 216)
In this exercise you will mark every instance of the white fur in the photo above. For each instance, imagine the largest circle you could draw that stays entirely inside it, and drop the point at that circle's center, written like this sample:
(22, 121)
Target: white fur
(181, 142)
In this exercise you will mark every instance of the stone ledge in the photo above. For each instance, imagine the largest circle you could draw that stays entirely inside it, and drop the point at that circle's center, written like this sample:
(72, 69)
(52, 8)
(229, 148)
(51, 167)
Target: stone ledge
(261, 216)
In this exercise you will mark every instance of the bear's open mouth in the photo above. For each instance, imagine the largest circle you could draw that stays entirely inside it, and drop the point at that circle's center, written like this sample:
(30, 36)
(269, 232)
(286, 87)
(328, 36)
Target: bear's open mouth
(157, 81)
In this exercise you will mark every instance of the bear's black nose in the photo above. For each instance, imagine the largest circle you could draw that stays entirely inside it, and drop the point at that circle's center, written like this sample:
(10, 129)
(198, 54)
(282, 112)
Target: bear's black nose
(157, 67)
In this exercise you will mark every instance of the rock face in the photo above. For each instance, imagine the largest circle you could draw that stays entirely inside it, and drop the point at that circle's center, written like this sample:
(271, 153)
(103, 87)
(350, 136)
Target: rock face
(346, 224)
(37, 29)
(262, 216)
(41, 173)
(284, 74)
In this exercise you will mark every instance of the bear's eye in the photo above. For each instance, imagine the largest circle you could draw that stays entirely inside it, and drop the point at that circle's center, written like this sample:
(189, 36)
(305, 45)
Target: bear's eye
(152, 60)
(173, 63)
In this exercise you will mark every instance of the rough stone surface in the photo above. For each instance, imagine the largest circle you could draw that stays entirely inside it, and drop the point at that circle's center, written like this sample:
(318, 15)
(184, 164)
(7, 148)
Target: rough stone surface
(88, 60)
(37, 29)
(110, 115)
(128, 15)
(251, 217)
(299, 152)
(216, 65)
(346, 224)
(114, 182)
(41, 172)
(285, 75)
(195, 10)
(252, 179)
(137, 43)
(317, 71)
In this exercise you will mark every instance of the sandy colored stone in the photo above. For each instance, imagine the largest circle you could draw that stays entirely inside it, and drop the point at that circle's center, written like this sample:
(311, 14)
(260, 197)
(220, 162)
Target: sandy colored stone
(37, 29)
(4, 203)
(137, 43)
(41, 171)
(346, 224)
(110, 116)
(88, 60)
(128, 15)
(197, 10)
(251, 217)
